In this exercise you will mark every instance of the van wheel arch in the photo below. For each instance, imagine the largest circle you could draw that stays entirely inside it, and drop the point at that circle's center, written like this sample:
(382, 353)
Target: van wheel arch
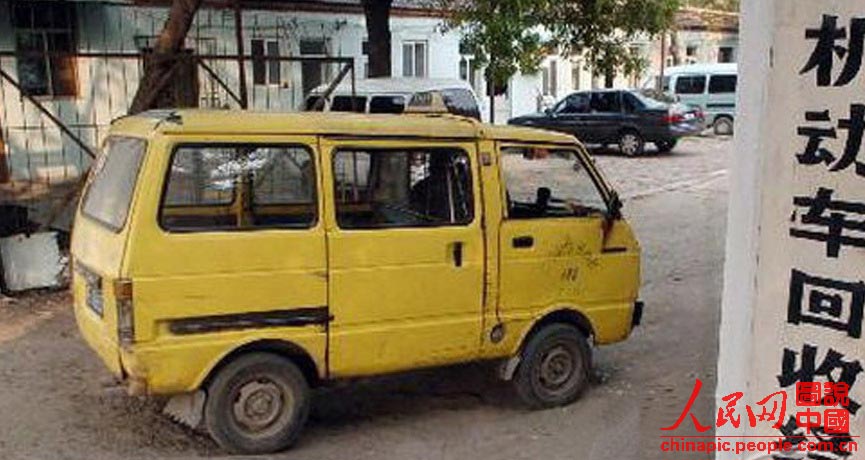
(291, 351)
(564, 316)
(568, 316)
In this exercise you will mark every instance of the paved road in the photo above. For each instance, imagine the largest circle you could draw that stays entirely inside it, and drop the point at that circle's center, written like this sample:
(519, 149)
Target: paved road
(57, 400)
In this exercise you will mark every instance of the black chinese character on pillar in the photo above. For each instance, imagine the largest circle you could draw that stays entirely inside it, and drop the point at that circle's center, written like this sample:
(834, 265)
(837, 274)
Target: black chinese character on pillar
(834, 368)
(826, 302)
(835, 216)
(816, 153)
(855, 126)
(826, 49)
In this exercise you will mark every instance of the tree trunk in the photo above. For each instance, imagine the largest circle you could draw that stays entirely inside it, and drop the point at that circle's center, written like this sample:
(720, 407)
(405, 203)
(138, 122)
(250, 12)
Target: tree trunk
(491, 90)
(609, 78)
(377, 14)
(165, 58)
(674, 48)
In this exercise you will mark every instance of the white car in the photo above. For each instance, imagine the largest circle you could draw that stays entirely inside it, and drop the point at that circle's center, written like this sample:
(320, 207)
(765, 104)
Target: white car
(393, 95)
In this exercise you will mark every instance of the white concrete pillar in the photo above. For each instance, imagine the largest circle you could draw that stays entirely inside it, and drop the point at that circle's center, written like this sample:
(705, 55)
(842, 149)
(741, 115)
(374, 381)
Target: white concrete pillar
(788, 291)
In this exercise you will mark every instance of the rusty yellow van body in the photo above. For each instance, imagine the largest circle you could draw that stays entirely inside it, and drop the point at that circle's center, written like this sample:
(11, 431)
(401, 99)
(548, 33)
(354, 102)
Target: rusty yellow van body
(330, 241)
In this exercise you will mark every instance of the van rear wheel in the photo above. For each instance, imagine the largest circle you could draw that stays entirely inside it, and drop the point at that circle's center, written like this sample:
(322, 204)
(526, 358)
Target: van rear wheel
(723, 126)
(257, 404)
(554, 367)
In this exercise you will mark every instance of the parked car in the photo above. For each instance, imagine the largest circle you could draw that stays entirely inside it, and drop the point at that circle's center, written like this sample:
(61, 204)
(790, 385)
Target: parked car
(622, 117)
(392, 95)
(712, 87)
(235, 260)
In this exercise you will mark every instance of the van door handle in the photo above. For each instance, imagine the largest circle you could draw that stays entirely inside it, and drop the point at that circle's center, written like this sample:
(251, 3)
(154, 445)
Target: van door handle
(523, 242)
(458, 253)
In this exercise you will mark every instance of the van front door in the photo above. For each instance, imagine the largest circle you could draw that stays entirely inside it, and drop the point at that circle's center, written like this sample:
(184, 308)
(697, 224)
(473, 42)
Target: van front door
(406, 255)
(553, 250)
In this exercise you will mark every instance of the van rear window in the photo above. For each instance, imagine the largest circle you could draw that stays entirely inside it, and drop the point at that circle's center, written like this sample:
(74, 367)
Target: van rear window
(348, 104)
(113, 179)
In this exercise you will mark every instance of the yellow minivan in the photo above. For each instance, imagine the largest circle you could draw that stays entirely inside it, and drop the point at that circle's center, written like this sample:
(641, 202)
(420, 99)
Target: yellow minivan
(240, 259)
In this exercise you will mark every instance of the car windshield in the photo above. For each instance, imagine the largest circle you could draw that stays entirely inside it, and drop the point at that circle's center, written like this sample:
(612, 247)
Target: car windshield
(544, 182)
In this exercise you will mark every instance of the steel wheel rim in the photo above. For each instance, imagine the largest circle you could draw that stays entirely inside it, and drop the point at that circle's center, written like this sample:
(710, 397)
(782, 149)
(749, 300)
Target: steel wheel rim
(260, 404)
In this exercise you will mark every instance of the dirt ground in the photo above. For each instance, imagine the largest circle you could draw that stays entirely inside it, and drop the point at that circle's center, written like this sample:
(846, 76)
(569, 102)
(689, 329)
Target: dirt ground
(58, 402)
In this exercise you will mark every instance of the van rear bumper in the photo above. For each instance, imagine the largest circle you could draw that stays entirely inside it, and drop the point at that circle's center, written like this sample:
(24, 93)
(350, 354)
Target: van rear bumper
(638, 313)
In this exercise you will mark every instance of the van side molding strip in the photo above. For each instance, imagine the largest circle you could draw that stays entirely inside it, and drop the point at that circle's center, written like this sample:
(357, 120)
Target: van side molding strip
(276, 318)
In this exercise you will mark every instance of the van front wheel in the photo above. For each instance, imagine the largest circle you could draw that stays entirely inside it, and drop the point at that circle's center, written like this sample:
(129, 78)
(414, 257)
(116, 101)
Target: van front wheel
(257, 404)
(554, 367)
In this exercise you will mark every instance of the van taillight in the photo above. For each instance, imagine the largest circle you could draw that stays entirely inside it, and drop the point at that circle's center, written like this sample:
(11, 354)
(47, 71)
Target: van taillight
(125, 311)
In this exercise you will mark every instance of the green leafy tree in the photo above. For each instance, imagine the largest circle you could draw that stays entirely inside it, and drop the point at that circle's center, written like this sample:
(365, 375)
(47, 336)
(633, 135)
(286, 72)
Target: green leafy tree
(721, 5)
(514, 35)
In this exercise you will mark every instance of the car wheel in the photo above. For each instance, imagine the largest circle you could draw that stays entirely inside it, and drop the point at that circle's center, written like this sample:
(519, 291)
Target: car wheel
(257, 404)
(666, 146)
(631, 143)
(723, 126)
(554, 367)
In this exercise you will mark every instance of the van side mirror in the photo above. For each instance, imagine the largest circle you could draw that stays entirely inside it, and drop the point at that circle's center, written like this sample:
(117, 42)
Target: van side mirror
(615, 206)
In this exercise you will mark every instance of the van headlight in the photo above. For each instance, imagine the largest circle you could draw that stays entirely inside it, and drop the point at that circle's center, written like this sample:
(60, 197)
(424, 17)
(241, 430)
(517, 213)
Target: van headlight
(125, 311)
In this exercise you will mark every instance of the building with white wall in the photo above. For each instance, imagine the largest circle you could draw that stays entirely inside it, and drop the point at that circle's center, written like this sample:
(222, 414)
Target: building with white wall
(87, 90)
(95, 84)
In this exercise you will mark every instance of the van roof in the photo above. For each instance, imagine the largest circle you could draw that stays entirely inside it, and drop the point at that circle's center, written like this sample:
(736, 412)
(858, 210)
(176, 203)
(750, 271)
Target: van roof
(370, 86)
(727, 68)
(198, 121)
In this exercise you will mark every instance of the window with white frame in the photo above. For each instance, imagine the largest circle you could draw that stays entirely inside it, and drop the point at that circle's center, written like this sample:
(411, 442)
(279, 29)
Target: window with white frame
(549, 78)
(265, 71)
(364, 49)
(313, 73)
(42, 28)
(691, 54)
(469, 72)
(726, 54)
(576, 74)
(414, 59)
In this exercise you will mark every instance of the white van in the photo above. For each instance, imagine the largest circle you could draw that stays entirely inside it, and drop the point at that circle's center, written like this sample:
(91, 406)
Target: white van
(393, 95)
(712, 87)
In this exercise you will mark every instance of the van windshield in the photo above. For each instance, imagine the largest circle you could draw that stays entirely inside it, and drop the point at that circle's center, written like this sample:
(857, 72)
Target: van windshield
(545, 182)
(112, 182)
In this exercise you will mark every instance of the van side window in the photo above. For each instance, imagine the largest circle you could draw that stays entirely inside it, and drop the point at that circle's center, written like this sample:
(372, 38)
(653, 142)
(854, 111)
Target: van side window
(402, 188)
(720, 84)
(387, 104)
(226, 187)
(542, 182)
(691, 84)
(348, 104)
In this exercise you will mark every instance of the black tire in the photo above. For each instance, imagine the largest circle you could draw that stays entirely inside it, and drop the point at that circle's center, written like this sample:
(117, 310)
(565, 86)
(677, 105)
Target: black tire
(267, 379)
(631, 143)
(723, 126)
(536, 380)
(666, 146)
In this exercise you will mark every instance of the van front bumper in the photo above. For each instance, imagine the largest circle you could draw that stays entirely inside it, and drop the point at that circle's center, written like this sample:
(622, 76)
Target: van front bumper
(638, 313)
